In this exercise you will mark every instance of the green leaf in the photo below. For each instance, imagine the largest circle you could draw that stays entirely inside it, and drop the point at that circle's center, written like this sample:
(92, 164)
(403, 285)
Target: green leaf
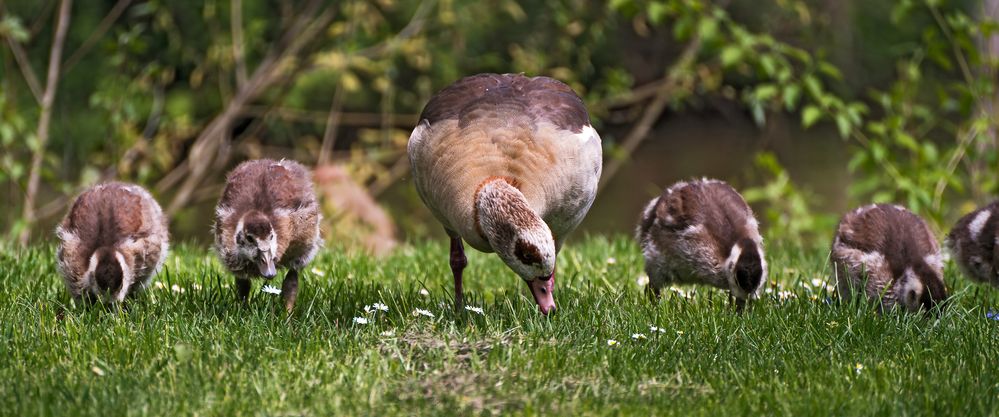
(813, 85)
(843, 125)
(759, 115)
(830, 70)
(792, 92)
(906, 140)
(11, 27)
(858, 159)
(657, 12)
(765, 92)
(768, 64)
(810, 115)
(730, 55)
(707, 29)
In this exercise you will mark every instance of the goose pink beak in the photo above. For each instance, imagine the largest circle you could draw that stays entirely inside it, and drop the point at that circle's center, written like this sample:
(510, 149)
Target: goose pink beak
(542, 288)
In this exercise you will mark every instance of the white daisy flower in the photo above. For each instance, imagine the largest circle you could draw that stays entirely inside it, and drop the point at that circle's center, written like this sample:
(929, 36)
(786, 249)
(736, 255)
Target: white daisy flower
(159, 285)
(679, 332)
(270, 289)
(424, 292)
(612, 342)
(318, 272)
(176, 288)
(388, 333)
(476, 310)
(786, 295)
(638, 336)
(380, 307)
(858, 367)
(816, 282)
(655, 329)
(642, 280)
(611, 260)
(422, 312)
(360, 320)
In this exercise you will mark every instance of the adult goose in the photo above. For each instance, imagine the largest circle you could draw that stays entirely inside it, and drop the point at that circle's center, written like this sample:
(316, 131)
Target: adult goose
(509, 164)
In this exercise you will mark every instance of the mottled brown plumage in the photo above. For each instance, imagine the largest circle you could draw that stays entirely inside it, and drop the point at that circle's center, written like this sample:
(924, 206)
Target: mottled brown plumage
(889, 254)
(510, 165)
(974, 244)
(267, 217)
(702, 232)
(112, 240)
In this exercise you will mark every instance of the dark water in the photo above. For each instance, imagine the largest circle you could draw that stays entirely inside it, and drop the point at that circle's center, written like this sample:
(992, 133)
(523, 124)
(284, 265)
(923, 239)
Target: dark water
(689, 146)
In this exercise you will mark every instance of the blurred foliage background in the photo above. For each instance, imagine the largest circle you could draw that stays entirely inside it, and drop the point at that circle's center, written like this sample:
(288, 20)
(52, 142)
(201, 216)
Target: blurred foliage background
(808, 106)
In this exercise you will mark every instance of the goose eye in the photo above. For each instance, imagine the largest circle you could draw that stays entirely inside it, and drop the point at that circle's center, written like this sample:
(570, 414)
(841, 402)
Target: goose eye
(527, 253)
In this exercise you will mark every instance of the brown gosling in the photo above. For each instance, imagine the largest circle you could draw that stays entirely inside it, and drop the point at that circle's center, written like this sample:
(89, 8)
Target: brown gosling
(702, 232)
(267, 217)
(113, 240)
(888, 254)
(974, 244)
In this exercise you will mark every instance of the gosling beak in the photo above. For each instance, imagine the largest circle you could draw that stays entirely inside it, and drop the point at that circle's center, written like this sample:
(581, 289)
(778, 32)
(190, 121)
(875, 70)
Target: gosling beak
(542, 289)
(266, 265)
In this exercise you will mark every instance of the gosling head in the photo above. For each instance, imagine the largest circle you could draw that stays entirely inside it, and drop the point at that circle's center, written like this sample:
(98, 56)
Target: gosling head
(920, 288)
(256, 242)
(109, 274)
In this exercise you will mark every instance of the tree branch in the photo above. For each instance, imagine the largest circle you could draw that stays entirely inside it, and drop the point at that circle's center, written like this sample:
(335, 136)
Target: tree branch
(205, 149)
(44, 119)
(666, 87)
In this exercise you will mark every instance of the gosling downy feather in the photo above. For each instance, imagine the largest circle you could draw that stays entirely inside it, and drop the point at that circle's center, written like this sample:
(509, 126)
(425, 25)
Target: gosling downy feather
(111, 242)
(888, 254)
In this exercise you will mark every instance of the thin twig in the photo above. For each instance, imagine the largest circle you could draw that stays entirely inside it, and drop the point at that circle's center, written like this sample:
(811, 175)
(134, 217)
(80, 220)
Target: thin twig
(399, 169)
(332, 124)
(23, 63)
(41, 22)
(236, 26)
(962, 148)
(48, 98)
(96, 35)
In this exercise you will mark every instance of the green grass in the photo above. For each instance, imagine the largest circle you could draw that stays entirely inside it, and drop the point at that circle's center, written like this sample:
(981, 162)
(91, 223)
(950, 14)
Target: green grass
(199, 352)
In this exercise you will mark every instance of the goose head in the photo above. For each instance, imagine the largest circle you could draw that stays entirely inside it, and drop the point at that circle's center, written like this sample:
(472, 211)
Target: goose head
(746, 269)
(256, 242)
(920, 287)
(109, 274)
(519, 236)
